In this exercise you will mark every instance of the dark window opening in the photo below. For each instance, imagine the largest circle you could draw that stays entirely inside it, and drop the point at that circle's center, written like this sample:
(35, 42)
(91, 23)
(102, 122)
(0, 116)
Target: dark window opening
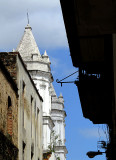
(38, 110)
(9, 117)
(23, 86)
(35, 109)
(31, 100)
(9, 102)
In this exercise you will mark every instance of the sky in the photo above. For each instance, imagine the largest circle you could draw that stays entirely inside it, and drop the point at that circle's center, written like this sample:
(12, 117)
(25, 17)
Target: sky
(45, 18)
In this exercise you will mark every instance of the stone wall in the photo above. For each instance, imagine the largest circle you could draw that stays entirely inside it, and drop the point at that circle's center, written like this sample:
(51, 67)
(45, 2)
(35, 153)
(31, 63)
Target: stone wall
(8, 110)
(9, 61)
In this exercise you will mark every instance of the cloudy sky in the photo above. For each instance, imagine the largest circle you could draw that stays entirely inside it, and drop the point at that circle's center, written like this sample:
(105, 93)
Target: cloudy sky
(48, 28)
(44, 16)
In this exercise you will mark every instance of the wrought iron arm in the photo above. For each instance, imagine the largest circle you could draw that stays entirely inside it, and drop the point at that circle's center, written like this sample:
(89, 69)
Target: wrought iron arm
(60, 81)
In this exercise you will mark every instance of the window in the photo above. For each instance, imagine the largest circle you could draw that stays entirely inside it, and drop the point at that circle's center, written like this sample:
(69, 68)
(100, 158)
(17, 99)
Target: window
(23, 91)
(31, 100)
(9, 117)
(31, 113)
(23, 86)
(24, 145)
(9, 102)
(37, 125)
(35, 109)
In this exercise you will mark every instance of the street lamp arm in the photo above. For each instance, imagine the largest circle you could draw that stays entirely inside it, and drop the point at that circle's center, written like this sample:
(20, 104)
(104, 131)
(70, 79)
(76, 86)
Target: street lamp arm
(92, 154)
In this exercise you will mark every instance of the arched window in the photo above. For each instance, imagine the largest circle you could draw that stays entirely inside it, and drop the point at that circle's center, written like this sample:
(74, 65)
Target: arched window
(9, 117)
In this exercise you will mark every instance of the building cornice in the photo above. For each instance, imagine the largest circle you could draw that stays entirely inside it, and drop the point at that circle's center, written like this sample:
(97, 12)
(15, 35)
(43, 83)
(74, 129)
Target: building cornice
(38, 61)
(41, 73)
(47, 120)
(58, 111)
(59, 148)
(57, 101)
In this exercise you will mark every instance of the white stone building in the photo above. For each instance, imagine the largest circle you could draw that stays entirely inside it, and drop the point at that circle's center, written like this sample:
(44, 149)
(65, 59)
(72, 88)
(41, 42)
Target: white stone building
(39, 68)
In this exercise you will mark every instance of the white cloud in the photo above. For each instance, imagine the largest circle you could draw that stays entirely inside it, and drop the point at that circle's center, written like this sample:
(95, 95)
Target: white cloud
(45, 19)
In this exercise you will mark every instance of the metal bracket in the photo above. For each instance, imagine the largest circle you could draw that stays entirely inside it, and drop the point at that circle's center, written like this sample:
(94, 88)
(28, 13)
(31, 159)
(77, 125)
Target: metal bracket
(60, 81)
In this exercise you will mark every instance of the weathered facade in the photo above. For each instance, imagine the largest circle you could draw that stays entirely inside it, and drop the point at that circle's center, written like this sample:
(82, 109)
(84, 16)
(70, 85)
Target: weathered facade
(26, 118)
(8, 115)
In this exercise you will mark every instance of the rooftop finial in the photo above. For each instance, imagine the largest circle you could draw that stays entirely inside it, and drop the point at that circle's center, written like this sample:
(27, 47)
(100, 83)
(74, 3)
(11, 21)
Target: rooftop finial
(27, 16)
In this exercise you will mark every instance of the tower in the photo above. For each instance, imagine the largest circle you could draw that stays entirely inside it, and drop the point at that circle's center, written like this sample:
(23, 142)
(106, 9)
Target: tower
(39, 68)
(58, 116)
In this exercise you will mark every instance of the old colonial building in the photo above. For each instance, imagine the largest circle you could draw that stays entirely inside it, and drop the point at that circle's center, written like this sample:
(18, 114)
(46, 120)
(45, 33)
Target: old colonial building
(32, 116)
(20, 110)
(39, 68)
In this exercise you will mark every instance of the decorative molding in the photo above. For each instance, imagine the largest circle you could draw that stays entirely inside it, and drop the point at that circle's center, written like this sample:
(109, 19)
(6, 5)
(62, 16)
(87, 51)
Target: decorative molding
(58, 111)
(57, 101)
(40, 73)
(47, 120)
(59, 148)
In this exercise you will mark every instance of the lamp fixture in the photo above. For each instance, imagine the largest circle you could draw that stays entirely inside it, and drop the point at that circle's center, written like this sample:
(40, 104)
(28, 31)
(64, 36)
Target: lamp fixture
(92, 154)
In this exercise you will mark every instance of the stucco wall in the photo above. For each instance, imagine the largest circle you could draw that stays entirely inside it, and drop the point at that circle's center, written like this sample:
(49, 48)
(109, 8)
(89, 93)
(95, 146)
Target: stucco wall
(30, 116)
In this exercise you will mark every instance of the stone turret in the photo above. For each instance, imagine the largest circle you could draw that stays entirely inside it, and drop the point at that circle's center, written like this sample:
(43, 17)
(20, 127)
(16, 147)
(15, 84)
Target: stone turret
(58, 115)
(39, 69)
(61, 98)
(46, 58)
(27, 46)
